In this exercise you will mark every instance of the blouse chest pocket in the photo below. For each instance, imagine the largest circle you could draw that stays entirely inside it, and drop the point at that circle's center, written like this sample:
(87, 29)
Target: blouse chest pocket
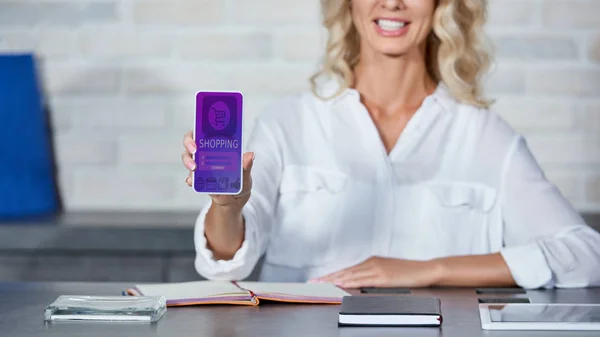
(462, 197)
(462, 218)
(307, 179)
(308, 214)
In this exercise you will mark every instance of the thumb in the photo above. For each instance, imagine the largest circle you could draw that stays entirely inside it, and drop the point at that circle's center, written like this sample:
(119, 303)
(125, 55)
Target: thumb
(247, 161)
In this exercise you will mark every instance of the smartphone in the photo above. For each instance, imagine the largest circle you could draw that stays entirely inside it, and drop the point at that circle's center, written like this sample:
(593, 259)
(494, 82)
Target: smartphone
(218, 137)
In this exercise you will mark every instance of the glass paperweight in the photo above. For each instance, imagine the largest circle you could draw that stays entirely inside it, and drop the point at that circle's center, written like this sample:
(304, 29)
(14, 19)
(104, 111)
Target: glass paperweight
(107, 308)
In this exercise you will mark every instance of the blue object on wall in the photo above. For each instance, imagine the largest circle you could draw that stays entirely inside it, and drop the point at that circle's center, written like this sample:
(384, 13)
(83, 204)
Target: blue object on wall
(28, 184)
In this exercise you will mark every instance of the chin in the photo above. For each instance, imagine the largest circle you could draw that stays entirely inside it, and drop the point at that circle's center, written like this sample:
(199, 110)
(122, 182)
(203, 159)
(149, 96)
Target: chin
(392, 51)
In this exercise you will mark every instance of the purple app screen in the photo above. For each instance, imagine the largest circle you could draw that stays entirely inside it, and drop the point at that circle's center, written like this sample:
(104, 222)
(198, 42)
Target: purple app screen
(219, 143)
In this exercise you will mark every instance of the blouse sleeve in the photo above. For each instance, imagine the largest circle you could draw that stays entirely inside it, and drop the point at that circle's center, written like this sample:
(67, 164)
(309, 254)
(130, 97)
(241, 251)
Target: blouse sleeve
(546, 241)
(257, 213)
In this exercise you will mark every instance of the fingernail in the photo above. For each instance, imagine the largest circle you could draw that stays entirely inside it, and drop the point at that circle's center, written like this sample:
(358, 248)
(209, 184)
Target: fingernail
(191, 165)
(191, 148)
(253, 156)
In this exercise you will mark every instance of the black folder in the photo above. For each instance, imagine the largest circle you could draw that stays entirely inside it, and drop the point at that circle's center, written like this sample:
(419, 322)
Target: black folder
(390, 311)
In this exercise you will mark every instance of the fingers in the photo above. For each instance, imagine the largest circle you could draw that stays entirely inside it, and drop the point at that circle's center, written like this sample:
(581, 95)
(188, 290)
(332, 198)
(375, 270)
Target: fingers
(330, 277)
(188, 162)
(352, 276)
(248, 160)
(189, 179)
(363, 281)
(190, 149)
(186, 157)
(344, 275)
(189, 143)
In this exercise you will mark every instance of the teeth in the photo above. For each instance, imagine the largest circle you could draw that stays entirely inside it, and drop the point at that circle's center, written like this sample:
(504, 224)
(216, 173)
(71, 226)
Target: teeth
(390, 24)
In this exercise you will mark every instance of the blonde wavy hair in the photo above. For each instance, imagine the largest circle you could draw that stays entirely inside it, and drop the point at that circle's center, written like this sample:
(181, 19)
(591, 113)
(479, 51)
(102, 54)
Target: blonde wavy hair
(457, 51)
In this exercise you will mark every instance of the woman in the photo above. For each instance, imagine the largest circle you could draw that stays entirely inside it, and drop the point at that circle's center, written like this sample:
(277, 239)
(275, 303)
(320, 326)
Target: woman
(393, 172)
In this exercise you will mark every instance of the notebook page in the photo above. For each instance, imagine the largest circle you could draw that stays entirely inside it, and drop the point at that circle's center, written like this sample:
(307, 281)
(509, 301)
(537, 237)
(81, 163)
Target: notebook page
(304, 290)
(192, 290)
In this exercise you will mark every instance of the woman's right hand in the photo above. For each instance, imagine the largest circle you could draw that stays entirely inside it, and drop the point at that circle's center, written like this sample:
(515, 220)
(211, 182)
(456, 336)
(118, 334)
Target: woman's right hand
(233, 202)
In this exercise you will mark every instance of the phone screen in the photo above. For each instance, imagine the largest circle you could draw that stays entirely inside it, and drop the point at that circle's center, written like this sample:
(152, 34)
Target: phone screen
(218, 136)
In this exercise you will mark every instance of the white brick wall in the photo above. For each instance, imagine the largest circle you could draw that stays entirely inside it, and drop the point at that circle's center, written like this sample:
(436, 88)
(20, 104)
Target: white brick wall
(122, 76)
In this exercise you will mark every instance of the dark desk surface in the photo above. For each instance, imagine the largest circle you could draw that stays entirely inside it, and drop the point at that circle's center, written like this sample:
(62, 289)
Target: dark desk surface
(22, 304)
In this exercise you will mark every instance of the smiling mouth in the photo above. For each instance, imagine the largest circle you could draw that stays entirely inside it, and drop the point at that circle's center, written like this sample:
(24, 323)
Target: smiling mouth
(390, 25)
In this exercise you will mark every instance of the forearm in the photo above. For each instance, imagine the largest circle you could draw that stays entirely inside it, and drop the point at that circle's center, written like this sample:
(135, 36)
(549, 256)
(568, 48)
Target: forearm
(473, 271)
(224, 231)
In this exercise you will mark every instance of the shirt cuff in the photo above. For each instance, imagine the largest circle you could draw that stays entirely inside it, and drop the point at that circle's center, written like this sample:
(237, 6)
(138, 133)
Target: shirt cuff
(528, 266)
(211, 268)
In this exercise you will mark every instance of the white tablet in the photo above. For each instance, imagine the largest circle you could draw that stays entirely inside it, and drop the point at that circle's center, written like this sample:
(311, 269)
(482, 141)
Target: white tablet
(524, 316)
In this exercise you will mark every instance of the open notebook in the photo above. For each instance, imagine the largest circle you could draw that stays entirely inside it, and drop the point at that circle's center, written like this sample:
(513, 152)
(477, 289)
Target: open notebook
(244, 293)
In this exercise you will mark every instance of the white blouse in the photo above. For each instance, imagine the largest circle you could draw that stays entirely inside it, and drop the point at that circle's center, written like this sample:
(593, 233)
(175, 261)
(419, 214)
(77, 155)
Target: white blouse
(459, 181)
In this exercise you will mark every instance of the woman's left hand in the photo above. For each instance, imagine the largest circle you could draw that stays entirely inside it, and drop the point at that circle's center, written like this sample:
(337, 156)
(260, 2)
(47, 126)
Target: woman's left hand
(386, 272)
